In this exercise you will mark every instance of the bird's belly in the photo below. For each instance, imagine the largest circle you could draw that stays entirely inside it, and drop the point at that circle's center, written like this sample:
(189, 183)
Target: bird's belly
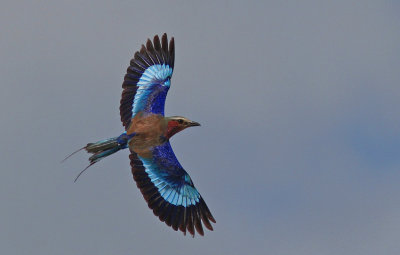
(142, 144)
(149, 130)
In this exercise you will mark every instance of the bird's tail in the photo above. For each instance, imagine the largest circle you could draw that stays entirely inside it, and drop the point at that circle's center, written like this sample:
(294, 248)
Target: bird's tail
(102, 149)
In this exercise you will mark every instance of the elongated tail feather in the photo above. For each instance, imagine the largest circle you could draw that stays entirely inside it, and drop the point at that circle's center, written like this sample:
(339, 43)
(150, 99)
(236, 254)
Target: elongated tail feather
(73, 153)
(103, 148)
(100, 150)
(102, 145)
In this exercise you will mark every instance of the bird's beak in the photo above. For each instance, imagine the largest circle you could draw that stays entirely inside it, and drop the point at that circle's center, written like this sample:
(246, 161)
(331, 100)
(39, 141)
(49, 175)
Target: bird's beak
(194, 124)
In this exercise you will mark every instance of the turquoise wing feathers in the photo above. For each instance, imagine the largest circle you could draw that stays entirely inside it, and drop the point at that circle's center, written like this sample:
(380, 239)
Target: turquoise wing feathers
(169, 191)
(148, 79)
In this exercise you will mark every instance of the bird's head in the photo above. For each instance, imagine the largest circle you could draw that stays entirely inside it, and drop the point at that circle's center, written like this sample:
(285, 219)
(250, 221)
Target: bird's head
(176, 124)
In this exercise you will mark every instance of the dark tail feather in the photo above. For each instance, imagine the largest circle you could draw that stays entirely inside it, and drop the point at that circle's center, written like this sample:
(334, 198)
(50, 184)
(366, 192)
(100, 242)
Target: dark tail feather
(76, 178)
(101, 146)
(100, 150)
(73, 153)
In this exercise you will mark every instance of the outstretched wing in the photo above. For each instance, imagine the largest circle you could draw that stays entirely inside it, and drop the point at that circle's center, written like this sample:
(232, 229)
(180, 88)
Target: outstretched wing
(148, 79)
(169, 191)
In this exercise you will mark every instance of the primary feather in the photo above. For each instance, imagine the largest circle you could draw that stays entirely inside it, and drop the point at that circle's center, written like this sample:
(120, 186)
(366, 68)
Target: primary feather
(148, 79)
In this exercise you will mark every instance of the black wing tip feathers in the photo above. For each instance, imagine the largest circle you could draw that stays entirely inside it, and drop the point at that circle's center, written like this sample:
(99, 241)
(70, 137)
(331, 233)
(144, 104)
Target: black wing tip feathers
(162, 51)
(153, 52)
(185, 219)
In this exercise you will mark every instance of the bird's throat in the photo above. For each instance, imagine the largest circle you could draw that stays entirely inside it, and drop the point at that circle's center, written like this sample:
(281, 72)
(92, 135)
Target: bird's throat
(173, 128)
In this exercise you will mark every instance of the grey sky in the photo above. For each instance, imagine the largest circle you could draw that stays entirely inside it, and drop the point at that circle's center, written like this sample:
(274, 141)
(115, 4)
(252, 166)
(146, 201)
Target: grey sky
(298, 152)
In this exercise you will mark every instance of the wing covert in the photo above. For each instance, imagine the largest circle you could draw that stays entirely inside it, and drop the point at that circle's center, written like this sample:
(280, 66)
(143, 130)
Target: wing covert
(148, 79)
(169, 191)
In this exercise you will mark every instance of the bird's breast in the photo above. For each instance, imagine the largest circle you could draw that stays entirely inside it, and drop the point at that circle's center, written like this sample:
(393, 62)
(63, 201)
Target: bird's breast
(149, 132)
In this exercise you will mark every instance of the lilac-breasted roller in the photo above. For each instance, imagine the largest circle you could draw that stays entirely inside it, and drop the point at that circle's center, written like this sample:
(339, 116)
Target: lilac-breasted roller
(165, 185)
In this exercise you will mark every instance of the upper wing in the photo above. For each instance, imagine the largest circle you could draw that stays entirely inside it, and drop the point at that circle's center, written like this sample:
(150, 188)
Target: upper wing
(148, 78)
(169, 191)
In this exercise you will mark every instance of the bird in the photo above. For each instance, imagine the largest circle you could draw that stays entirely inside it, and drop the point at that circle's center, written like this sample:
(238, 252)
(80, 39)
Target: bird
(165, 185)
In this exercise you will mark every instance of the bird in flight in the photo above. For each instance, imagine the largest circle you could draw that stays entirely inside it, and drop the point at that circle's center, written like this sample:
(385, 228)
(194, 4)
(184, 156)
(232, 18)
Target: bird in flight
(166, 186)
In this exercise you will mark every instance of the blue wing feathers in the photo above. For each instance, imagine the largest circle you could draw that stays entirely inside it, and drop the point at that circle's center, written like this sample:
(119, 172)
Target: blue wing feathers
(166, 158)
(149, 74)
(170, 192)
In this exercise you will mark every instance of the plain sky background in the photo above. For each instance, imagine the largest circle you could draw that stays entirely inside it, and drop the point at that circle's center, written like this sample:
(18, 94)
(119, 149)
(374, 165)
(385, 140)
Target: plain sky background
(299, 148)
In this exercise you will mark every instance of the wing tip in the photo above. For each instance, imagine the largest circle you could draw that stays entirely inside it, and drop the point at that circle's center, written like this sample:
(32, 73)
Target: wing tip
(180, 218)
(151, 53)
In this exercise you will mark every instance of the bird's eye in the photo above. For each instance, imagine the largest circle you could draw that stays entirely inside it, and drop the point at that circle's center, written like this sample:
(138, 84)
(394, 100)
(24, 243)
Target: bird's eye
(180, 121)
